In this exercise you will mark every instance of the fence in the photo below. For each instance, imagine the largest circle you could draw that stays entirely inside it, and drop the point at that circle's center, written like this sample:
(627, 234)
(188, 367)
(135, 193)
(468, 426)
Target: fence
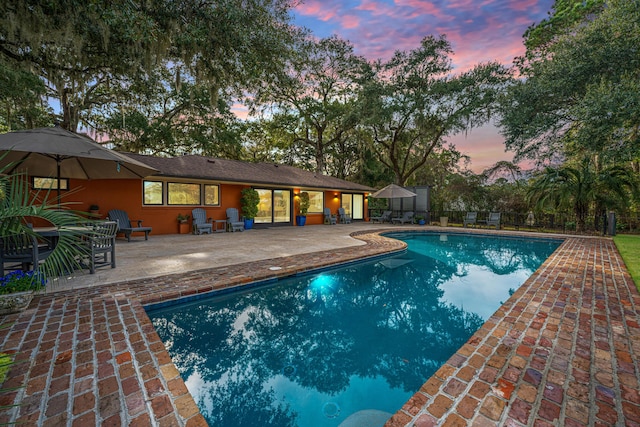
(561, 223)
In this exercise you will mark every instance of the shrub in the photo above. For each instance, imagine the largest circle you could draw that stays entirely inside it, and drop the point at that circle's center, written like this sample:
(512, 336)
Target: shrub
(20, 281)
(249, 200)
(304, 203)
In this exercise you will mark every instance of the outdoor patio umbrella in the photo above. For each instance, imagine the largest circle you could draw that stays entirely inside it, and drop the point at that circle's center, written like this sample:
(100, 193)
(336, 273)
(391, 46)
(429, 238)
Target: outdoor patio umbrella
(57, 153)
(392, 191)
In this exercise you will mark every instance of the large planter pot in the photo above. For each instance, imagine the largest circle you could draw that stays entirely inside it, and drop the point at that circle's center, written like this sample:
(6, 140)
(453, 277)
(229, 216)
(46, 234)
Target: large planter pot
(183, 227)
(248, 223)
(301, 220)
(15, 303)
(444, 221)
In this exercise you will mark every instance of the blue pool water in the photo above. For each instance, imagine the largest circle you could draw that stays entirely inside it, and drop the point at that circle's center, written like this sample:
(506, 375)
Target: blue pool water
(351, 343)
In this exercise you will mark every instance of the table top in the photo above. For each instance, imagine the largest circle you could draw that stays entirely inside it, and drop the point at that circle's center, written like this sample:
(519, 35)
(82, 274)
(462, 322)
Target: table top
(54, 231)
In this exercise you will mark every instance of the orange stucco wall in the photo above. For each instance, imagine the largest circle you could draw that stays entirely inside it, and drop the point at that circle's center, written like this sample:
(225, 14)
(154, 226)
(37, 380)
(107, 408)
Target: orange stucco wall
(126, 194)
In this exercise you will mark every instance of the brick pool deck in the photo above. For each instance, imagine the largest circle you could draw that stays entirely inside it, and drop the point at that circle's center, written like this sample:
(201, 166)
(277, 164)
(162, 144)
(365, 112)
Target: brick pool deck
(562, 351)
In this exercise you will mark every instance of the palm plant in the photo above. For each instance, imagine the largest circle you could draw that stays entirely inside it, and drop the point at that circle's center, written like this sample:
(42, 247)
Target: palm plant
(583, 187)
(19, 207)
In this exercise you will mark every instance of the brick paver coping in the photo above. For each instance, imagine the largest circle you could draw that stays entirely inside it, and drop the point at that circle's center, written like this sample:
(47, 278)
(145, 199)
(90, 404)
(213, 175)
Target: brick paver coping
(562, 351)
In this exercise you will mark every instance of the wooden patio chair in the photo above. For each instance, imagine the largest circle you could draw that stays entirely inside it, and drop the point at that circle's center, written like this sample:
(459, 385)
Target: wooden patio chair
(200, 222)
(233, 220)
(22, 251)
(125, 225)
(406, 217)
(470, 219)
(344, 218)
(329, 218)
(100, 243)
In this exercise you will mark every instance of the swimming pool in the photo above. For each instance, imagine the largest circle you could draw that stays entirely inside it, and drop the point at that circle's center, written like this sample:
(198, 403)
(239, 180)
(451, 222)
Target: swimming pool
(319, 350)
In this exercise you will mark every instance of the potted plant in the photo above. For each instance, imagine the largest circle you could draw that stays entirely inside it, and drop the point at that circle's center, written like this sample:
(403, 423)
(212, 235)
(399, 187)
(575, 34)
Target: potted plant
(183, 223)
(17, 212)
(419, 219)
(17, 288)
(249, 199)
(304, 204)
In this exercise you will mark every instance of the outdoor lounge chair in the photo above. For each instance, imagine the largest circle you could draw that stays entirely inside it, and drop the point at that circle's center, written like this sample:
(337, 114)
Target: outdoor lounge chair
(328, 217)
(125, 225)
(470, 219)
(21, 250)
(200, 222)
(385, 217)
(101, 245)
(494, 219)
(406, 217)
(233, 220)
(344, 218)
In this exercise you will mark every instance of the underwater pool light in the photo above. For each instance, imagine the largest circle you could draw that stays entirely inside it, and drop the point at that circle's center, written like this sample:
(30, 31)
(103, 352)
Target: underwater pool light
(323, 283)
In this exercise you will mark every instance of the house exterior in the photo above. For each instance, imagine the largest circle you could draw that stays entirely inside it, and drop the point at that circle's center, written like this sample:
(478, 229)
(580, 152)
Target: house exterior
(184, 183)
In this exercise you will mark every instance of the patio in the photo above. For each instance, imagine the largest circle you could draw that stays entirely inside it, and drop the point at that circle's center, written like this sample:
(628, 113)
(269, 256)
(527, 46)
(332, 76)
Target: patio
(563, 350)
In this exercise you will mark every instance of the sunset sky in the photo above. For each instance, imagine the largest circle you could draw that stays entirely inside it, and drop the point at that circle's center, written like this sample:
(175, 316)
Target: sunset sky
(479, 31)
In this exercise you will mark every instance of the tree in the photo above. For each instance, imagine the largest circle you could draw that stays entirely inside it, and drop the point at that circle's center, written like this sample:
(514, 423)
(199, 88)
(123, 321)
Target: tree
(583, 94)
(21, 103)
(99, 58)
(315, 89)
(583, 187)
(564, 16)
(410, 103)
(168, 118)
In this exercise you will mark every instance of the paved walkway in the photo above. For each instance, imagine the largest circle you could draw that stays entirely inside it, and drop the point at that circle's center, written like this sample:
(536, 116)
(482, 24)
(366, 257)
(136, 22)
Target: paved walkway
(563, 350)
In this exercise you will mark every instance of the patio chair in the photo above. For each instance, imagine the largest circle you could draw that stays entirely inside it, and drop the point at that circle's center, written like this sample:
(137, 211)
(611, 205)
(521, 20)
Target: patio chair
(22, 251)
(328, 217)
(125, 225)
(494, 219)
(385, 217)
(233, 220)
(100, 243)
(344, 218)
(200, 222)
(470, 219)
(406, 217)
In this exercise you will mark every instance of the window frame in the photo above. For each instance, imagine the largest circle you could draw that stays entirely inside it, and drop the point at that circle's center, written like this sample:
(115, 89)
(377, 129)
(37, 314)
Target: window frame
(162, 199)
(202, 186)
(169, 183)
(321, 193)
(64, 183)
(204, 194)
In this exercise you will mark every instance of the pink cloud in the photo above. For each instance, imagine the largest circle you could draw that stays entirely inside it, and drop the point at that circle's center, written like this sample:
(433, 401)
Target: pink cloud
(422, 7)
(523, 5)
(350, 21)
(317, 9)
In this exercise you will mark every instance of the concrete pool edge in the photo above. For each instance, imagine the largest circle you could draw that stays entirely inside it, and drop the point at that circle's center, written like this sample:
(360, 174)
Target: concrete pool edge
(92, 354)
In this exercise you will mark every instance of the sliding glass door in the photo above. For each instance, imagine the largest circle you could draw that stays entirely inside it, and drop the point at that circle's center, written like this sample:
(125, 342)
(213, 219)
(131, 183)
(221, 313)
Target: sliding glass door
(353, 204)
(274, 207)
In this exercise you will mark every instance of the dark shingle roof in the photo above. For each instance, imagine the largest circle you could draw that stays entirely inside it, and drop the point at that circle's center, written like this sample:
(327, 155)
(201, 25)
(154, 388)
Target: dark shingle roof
(199, 167)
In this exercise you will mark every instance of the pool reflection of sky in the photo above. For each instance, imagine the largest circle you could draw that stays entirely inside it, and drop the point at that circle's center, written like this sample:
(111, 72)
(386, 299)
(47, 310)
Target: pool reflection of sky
(311, 351)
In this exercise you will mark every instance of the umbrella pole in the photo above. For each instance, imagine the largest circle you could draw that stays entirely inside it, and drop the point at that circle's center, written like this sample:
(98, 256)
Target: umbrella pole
(58, 161)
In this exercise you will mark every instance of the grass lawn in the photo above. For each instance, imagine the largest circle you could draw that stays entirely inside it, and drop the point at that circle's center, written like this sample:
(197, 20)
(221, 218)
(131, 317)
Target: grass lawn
(629, 247)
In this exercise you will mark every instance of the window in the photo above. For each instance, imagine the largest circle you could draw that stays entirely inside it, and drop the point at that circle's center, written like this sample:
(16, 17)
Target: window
(316, 201)
(152, 193)
(50, 183)
(211, 195)
(179, 193)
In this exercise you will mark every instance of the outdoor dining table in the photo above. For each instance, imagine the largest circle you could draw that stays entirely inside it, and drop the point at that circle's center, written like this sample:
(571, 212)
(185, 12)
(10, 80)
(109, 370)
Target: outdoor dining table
(52, 234)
